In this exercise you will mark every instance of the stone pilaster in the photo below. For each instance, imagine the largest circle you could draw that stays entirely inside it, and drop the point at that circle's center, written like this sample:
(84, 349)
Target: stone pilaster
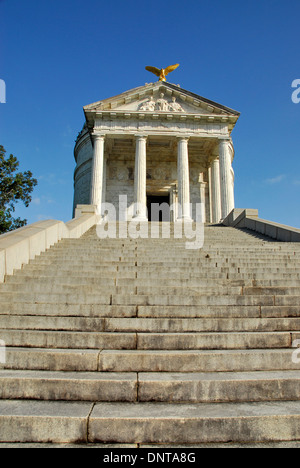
(140, 198)
(184, 211)
(97, 172)
(226, 182)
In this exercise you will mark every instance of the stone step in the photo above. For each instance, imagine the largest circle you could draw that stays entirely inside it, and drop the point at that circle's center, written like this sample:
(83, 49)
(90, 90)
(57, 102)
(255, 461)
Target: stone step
(230, 300)
(48, 298)
(135, 266)
(46, 359)
(234, 300)
(167, 261)
(173, 312)
(70, 310)
(163, 423)
(16, 282)
(194, 423)
(209, 387)
(216, 341)
(240, 360)
(218, 311)
(205, 256)
(37, 292)
(279, 291)
(68, 386)
(149, 300)
(208, 255)
(93, 360)
(149, 324)
(68, 340)
(195, 387)
(94, 276)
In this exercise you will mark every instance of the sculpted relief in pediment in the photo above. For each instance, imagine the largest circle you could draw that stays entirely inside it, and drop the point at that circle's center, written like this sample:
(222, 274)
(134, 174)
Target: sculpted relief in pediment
(161, 105)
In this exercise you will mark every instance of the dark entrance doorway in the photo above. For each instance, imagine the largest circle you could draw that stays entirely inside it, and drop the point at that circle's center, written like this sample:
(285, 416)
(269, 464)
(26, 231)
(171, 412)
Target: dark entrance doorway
(158, 208)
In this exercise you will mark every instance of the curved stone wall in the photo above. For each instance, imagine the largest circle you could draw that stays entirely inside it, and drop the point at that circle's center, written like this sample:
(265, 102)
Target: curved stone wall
(83, 154)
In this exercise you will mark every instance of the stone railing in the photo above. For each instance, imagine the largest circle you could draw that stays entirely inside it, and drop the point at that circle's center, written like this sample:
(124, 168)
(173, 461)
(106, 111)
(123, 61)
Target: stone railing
(20, 246)
(248, 218)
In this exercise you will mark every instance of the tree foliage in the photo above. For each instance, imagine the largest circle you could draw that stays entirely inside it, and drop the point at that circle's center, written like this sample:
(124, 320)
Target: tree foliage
(14, 187)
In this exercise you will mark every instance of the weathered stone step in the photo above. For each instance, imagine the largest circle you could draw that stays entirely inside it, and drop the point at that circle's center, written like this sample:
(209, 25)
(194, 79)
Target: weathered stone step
(170, 312)
(281, 291)
(90, 360)
(48, 298)
(38, 291)
(69, 310)
(148, 300)
(44, 421)
(164, 423)
(52, 281)
(133, 266)
(204, 255)
(219, 386)
(194, 423)
(94, 276)
(218, 311)
(66, 360)
(232, 300)
(197, 360)
(69, 386)
(219, 340)
(176, 259)
(68, 340)
(145, 387)
(156, 325)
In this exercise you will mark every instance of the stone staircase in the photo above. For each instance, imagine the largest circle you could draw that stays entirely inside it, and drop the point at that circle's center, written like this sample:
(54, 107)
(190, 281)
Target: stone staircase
(142, 342)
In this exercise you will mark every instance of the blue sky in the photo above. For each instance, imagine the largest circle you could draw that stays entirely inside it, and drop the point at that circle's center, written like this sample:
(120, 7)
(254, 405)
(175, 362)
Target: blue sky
(58, 55)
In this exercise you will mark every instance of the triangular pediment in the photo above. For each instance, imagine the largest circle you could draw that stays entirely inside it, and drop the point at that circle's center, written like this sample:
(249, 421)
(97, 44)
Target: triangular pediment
(160, 97)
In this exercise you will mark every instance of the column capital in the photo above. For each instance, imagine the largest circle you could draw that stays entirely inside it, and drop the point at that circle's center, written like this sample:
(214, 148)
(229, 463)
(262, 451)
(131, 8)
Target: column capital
(98, 136)
(182, 138)
(224, 140)
(139, 136)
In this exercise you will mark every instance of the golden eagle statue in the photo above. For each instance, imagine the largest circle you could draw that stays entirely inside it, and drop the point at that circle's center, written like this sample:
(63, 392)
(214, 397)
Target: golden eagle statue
(163, 72)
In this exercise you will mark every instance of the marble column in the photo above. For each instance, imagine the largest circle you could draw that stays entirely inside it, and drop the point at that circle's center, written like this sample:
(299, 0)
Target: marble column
(97, 172)
(140, 198)
(216, 191)
(184, 211)
(227, 197)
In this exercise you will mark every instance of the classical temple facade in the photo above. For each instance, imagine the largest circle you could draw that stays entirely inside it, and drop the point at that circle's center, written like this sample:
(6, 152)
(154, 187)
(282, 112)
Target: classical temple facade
(153, 144)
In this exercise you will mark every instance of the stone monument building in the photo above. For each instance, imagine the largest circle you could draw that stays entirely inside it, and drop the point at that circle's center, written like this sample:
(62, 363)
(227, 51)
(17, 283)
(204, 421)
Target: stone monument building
(157, 143)
(144, 341)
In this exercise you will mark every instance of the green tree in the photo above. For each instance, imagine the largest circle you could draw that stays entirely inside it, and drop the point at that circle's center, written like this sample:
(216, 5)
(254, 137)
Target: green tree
(14, 187)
